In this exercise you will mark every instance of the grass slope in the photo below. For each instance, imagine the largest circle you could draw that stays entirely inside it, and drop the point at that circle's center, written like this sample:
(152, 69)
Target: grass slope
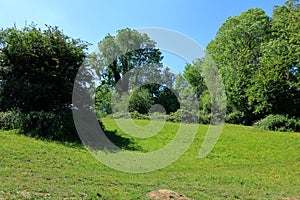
(245, 164)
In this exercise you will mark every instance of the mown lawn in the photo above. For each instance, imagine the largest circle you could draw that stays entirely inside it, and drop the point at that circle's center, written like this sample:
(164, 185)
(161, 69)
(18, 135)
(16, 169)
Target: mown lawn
(245, 164)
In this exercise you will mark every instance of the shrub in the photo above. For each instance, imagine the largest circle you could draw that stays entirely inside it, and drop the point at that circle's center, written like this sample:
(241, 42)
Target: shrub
(278, 123)
(235, 117)
(132, 115)
(204, 117)
(184, 116)
(9, 120)
(123, 115)
(158, 116)
(178, 116)
(175, 116)
(140, 101)
(56, 125)
(137, 115)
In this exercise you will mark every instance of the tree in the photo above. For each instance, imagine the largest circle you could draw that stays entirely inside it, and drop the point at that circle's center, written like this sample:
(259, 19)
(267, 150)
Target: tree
(208, 89)
(129, 62)
(193, 75)
(275, 88)
(236, 51)
(38, 68)
(37, 73)
(140, 101)
(103, 100)
(127, 50)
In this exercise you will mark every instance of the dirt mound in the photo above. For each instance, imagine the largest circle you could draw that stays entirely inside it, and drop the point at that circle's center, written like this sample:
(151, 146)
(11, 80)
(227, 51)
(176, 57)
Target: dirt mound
(166, 195)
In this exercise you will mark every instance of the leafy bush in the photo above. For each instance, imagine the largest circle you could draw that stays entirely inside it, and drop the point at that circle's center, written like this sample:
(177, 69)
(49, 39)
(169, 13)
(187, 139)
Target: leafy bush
(9, 120)
(204, 117)
(178, 116)
(175, 116)
(56, 125)
(140, 101)
(158, 116)
(278, 123)
(235, 117)
(122, 115)
(137, 115)
(128, 115)
(184, 116)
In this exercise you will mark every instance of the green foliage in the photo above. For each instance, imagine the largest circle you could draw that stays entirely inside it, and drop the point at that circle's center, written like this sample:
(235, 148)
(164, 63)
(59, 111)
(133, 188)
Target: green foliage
(140, 101)
(37, 72)
(137, 115)
(175, 116)
(38, 68)
(119, 54)
(278, 123)
(9, 120)
(236, 52)
(235, 117)
(276, 85)
(178, 116)
(126, 61)
(166, 97)
(208, 91)
(205, 108)
(184, 116)
(55, 125)
(103, 100)
(192, 73)
(132, 115)
(258, 58)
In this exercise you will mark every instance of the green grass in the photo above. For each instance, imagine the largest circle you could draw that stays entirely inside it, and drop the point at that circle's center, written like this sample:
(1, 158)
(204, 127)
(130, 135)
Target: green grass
(245, 164)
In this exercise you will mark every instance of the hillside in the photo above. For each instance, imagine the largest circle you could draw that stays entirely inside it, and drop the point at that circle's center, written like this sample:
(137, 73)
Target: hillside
(245, 164)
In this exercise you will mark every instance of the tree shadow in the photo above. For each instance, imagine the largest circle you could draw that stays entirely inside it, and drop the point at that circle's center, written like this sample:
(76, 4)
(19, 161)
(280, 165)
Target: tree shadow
(100, 139)
(122, 142)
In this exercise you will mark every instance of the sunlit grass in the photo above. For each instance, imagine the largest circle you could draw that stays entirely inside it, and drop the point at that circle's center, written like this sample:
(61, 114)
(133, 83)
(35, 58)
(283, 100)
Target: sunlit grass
(245, 164)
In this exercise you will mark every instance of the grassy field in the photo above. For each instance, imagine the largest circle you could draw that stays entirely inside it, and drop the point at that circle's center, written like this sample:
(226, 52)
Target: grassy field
(245, 164)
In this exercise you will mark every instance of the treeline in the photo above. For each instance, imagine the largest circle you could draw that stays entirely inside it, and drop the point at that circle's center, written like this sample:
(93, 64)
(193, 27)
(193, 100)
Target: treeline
(258, 58)
(37, 72)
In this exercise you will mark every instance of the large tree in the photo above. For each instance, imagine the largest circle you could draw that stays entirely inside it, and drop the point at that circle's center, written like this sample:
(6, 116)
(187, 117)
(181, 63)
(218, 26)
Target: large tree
(236, 51)
(126, 51)
(130, 60)
(275, 88)
(38, 68)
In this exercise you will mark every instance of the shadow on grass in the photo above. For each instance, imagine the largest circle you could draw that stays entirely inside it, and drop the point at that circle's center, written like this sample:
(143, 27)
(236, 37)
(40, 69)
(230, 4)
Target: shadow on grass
(73, 140)
(113, 142)
(122, 142)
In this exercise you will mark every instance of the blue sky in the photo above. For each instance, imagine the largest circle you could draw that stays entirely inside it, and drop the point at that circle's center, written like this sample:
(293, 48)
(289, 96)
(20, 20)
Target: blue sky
(91, 20)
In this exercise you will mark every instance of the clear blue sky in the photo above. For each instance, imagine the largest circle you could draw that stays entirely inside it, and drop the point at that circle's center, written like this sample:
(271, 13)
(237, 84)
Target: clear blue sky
(91, 20)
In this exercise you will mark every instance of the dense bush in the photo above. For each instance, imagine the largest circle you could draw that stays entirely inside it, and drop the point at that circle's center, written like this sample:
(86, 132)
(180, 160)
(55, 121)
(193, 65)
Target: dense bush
(184, 116)
(158, 116)
(9, 120)
(38, 68)
(235, 117)
(56, 125)
(175, 116)
(278, 123)
(137, 115)
(133, 115)
(178, 116)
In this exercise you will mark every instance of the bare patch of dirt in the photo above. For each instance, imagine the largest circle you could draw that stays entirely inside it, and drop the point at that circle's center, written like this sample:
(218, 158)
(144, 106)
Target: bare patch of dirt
(166, 195)
(290, 199)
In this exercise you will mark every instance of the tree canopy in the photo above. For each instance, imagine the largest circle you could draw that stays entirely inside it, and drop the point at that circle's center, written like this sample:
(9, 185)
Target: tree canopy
(38, 68)
(129, 60)
(258, 58)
